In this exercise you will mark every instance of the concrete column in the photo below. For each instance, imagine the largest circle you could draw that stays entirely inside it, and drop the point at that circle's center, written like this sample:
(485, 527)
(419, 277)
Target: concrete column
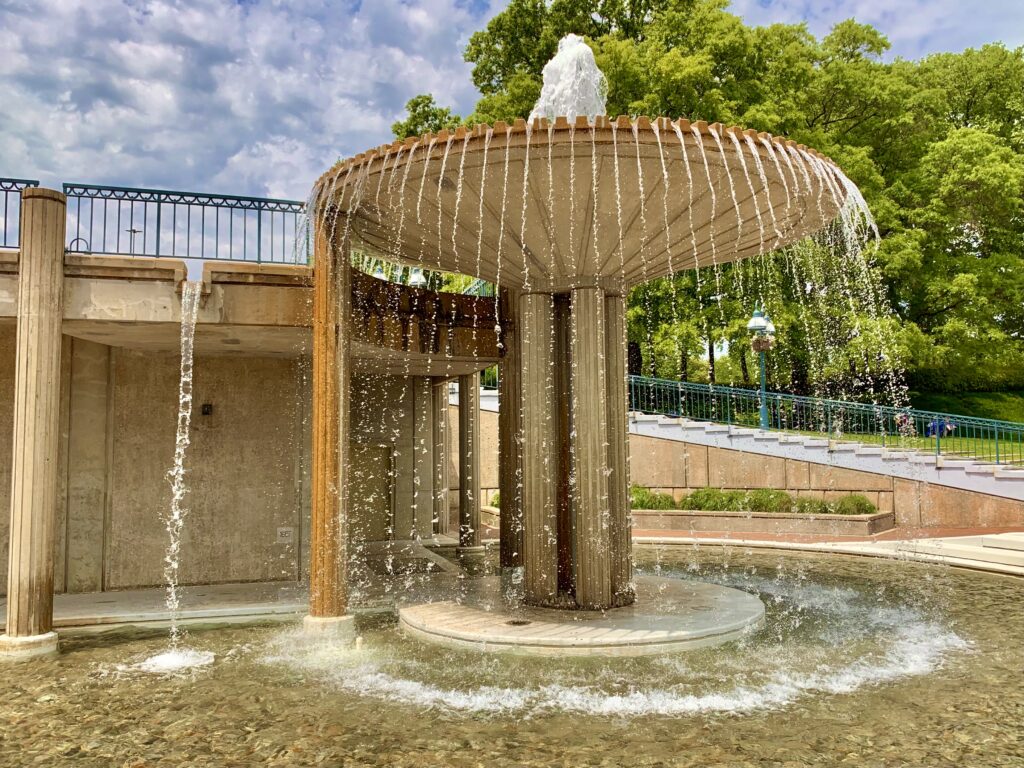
(439, 421)
(510, 438)
(328, 576)
(423, 457)
(589, 437)
(540, 457)
(469, 460)
(618, 450)
(36, 422)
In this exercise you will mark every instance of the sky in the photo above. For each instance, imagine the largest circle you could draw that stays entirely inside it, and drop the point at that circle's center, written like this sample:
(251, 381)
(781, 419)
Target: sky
(259, 97)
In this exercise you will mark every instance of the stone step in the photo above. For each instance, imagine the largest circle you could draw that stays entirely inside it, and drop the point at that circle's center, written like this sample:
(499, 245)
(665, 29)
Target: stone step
(717, 428)
(842, 447)
(870, 450)
(814, 442)
(981, 469)
(694, 425)
(1014, 541)
(968, 548)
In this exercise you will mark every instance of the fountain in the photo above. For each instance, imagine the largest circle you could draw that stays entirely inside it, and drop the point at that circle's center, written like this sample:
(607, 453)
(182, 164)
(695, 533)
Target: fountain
(564, 251)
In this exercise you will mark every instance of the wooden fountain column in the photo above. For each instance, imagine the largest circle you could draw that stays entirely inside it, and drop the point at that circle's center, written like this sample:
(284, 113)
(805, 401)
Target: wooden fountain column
(577, 537)
(589, 448)
(540, 448)
(617, 405)
(510, 437)
(469, 462)
(332, 313)
(29, 630)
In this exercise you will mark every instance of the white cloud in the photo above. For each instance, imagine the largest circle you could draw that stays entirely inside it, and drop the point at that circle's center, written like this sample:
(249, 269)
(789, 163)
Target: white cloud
(260, 96)
(914, 27)
(252, 96)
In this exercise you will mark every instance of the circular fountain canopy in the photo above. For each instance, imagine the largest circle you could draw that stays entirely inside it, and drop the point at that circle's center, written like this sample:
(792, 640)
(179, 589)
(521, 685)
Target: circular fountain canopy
(553, 206)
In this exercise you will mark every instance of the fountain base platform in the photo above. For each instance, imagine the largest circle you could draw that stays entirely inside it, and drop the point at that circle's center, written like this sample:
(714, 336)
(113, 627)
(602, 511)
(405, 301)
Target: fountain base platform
(28, 647)
(668, 615)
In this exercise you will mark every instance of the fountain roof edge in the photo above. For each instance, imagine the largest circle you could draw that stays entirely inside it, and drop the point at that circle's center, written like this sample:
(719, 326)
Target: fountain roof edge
(562, 123)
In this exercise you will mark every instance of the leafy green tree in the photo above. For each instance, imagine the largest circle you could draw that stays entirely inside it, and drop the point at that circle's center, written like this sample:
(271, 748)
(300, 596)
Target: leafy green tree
(936, 145)
(424, 116)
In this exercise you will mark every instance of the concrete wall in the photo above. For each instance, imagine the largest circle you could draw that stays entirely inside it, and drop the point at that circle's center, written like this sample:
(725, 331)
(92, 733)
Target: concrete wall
(677, 468)
(247, 464)
(488, 456)
(394, 411)
(7, 336)
(674, 467)
(241, 469)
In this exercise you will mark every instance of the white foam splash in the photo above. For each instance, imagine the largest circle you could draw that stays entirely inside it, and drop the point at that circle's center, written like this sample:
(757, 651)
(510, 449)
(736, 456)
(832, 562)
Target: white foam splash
(175, 660)
(573, 84)
(910, 645)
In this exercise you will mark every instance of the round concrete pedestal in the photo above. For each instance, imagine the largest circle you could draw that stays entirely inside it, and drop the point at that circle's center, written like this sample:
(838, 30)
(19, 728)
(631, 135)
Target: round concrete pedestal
(27, 647)
(668, 615)
(334, 628)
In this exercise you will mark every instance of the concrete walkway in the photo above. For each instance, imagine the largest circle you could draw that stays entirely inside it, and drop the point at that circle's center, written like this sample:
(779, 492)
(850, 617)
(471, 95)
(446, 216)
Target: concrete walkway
(996, 552)
(990, 550)
(218, 603)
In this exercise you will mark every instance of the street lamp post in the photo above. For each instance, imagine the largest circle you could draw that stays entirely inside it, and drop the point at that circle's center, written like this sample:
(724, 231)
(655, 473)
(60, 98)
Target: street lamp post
(763, 329)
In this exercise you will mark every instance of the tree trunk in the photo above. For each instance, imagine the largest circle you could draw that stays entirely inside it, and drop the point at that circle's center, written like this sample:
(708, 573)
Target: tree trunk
(744, 371)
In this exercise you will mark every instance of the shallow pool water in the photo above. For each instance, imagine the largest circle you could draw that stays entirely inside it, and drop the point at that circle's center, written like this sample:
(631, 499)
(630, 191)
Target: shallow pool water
(860, 662)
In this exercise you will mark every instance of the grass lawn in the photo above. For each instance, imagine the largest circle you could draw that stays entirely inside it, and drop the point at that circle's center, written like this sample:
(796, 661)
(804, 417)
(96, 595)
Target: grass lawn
(1008, 406)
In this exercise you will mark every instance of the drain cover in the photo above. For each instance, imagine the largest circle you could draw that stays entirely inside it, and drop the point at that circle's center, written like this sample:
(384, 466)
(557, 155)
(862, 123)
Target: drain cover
(518, 622)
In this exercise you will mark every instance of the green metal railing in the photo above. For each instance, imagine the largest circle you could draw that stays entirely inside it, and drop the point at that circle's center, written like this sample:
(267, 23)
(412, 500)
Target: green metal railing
(10, 210)
(944, 434)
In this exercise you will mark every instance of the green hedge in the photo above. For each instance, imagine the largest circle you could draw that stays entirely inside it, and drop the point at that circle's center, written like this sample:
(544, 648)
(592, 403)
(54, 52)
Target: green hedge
(761, 500)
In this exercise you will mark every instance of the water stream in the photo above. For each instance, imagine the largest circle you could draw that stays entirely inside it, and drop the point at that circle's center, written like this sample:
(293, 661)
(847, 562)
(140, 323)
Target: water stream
(177, 656)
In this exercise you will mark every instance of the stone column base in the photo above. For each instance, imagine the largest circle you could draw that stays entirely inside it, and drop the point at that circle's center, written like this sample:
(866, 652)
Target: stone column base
(335, 628)
(28, 647)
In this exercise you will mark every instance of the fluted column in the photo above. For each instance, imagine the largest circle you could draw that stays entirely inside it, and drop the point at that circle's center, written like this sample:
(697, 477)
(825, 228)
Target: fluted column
(618, 449)
(540, 449)
(328, 573)
(589, 445)
(439, 404)
(510, 445)
(469, 460)
(29, 630)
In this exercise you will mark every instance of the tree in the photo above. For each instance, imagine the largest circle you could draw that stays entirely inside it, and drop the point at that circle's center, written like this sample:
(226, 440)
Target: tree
(424, 116)
(936, 145)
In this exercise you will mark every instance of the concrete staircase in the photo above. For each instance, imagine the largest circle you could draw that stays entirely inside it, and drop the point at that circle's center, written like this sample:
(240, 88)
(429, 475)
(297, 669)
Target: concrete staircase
(996, 480)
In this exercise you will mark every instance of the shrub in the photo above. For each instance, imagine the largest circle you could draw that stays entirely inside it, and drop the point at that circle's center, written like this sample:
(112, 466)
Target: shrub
(854, 504)
(645, 498)
(496, 500)
(807, 506)
(768, 500)
(714, 500)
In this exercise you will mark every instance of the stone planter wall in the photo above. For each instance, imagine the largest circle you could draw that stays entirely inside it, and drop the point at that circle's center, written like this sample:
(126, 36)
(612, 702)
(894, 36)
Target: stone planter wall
(760, 522)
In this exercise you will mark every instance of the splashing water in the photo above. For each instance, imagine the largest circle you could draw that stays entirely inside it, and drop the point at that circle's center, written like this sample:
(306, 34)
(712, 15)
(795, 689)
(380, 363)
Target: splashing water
(175, 657)
(573, 85)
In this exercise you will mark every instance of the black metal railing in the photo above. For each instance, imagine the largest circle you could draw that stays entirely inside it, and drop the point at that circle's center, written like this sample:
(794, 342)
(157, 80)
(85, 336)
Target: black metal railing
(10, 213)
(185, 225)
